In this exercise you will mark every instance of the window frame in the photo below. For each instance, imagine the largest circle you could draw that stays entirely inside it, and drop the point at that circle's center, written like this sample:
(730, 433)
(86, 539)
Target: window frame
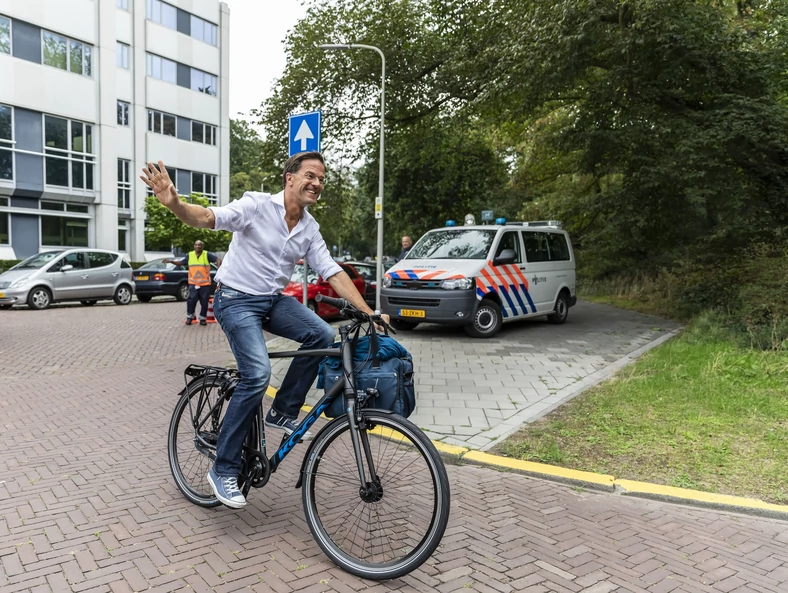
(124, 106)
(122, 4)
(211, 196)
(10, 34)
(151, 63)
(7, 145)
(87, 159)
(205, 129)
(86, 65)
(4, 203)
(152, 120)
(65, 220)
(122, 52)
(124, 184)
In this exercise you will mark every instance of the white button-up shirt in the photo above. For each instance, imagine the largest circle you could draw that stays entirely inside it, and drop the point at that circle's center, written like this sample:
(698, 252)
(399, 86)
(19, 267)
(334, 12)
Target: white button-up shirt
(263, 251)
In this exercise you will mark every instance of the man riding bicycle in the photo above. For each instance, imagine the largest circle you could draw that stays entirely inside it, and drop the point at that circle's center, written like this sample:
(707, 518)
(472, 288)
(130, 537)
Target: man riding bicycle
(270, 235)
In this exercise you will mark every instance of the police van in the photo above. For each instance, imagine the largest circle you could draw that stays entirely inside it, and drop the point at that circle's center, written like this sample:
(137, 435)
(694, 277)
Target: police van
(480, 277)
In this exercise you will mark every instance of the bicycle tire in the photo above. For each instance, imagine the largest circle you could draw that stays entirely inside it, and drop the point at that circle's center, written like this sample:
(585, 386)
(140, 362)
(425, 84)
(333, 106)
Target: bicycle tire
(188, 465)
(415, 487)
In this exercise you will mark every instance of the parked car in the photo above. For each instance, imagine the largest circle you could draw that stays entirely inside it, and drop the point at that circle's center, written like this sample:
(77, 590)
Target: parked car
(319, 286)
(157, 278)
(85, 275)
(369, 272)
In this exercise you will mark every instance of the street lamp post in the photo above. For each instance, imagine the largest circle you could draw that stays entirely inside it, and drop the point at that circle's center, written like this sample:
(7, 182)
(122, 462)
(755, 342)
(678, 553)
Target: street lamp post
(379, 201)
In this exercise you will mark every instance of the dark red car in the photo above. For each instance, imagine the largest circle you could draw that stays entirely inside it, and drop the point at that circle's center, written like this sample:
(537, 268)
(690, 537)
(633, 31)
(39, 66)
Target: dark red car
(319, 286)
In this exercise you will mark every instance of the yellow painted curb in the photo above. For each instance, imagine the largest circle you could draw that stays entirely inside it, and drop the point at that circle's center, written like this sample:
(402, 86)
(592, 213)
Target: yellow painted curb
(541, 470)
(705, 499)
(449, 449)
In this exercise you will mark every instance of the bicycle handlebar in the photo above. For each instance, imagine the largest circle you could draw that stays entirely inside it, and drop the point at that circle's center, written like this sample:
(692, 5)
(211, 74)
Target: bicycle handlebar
(348, 310)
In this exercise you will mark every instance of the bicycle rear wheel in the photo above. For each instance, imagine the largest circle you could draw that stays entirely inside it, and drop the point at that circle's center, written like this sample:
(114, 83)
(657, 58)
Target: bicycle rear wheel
(392, 532)
(190, 459)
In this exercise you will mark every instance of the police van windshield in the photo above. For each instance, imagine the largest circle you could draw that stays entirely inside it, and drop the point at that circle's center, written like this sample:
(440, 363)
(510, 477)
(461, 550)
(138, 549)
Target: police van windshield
(453, 244)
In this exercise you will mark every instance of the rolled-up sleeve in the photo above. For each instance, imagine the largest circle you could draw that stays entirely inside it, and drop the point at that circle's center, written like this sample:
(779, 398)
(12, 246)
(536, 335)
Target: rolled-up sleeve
(236, 215)
(319, 258)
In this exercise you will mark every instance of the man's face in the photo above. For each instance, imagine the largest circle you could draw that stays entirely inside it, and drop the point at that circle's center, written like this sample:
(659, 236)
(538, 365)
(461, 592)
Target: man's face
(198, 247)
(307, 183)
(406, 242)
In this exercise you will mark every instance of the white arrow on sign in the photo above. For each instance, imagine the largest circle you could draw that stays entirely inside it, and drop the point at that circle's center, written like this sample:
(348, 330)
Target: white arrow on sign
(304, 134)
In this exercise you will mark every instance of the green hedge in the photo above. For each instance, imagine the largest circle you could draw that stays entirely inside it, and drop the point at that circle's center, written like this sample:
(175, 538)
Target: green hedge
(7, 263)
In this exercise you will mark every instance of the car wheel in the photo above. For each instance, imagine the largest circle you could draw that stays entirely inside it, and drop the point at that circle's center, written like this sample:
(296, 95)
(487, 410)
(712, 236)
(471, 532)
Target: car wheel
(39, 298)
(487, 320)
(88, 303)
(122, 295)
(403, 326)
(183, 292)
(312, 306)
(561, 310)
(144, 298)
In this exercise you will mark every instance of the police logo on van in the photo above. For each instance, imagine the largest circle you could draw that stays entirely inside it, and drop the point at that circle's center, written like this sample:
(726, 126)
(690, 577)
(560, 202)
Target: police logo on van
(536, 280)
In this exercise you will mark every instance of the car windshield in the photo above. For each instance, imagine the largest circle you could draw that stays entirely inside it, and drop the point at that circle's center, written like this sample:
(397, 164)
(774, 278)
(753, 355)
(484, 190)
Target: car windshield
(298, 275)
(157, 264)
(37, 261)
(453, 244)
(366, 272)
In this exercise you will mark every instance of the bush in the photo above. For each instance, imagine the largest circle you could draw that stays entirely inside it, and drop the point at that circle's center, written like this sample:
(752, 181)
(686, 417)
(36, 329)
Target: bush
(6, 264)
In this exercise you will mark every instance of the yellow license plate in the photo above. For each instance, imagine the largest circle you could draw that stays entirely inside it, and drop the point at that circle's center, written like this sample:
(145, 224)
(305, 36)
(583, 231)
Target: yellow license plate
(142, 277)
(412, 313)
(2, 295)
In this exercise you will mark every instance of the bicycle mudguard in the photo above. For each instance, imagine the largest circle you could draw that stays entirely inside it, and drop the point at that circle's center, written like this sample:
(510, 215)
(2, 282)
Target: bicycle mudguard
(314, 440)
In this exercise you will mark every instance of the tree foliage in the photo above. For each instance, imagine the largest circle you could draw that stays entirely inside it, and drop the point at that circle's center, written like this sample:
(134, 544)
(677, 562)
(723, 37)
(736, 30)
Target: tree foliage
(655, 129)
(166, 231)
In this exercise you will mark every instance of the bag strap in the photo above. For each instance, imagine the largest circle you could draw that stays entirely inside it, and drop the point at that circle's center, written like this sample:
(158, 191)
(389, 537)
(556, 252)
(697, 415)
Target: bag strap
(373, 344)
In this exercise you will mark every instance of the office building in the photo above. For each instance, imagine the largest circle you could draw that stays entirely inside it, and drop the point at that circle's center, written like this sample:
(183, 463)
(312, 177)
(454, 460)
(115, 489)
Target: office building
(91, 90)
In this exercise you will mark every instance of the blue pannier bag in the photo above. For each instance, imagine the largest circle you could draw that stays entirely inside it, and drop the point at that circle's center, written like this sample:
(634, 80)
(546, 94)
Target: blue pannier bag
(390, 372)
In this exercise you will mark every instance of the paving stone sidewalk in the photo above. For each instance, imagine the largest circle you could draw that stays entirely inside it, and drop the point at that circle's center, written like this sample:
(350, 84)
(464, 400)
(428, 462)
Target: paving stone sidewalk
(87, 502)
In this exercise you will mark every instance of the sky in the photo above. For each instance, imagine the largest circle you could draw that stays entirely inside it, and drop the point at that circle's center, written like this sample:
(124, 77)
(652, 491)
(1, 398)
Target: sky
(257, 54)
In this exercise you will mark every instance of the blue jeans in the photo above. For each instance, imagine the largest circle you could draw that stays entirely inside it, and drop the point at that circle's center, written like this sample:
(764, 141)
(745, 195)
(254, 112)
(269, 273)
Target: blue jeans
(197, 293)
(243, 317)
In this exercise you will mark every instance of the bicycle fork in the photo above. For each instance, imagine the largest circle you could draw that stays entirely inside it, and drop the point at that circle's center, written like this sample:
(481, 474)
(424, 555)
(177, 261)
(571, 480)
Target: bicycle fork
(370, 489)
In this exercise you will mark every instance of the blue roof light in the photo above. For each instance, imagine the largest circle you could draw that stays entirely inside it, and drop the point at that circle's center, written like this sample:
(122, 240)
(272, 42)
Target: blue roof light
(451, 223)
(500, 221)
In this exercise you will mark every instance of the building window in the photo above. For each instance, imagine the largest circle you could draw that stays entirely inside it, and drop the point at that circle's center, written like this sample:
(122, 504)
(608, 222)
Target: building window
(5, 35)
(162, 69)
(203, 82)
(123, 113)
(66, 54)
(123, 4)
(6, 143)
(205, 133)
(5, 235)
(59, 231)
(203, 30)
(161, 123)
(205, 184)
(124, 184)
(163, 13)
(69, 149)
(122, 55)
(122, 230)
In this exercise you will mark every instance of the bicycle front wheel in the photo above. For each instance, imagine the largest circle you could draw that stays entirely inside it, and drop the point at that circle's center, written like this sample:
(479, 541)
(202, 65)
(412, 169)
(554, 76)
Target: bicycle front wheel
(391, 529)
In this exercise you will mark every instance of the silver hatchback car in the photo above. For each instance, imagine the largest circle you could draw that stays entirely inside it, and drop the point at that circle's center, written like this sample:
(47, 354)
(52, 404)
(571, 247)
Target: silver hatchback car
(85, 275)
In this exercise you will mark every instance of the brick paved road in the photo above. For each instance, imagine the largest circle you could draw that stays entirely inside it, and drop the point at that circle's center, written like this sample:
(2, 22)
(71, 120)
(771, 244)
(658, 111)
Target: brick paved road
(87, 503)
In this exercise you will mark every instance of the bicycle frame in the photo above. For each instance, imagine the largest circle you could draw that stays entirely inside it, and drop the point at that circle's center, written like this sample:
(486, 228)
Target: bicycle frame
(341, 386)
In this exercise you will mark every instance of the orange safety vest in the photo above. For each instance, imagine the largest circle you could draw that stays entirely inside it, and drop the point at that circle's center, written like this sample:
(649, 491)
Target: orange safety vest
(199, 269)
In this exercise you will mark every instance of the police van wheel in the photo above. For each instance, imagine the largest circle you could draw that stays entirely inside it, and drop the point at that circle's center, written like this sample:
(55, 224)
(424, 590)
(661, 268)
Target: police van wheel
(561, 310)
(404, 326)
(486, 322)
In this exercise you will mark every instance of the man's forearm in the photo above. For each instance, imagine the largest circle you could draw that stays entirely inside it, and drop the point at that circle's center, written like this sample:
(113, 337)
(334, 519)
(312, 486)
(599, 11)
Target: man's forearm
(345, 288)
(194, 215)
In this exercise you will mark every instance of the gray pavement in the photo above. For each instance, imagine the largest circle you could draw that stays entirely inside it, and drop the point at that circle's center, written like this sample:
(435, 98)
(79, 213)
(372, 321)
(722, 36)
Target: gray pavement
(87, 502)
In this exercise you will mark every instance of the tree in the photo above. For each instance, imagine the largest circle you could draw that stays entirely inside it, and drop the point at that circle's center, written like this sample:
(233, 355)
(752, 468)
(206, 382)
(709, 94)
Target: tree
(252, 164)
(167, 231)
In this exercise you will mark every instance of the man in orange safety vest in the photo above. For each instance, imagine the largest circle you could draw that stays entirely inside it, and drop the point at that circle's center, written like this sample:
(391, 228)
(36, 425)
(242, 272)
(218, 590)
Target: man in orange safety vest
(199, 262)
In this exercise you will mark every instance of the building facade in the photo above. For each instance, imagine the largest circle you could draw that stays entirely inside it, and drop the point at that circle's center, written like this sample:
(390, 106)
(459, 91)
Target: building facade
(90, 91)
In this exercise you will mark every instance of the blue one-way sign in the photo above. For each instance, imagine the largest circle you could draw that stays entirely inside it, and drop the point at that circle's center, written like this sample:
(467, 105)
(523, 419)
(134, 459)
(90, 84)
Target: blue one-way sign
(305, 132)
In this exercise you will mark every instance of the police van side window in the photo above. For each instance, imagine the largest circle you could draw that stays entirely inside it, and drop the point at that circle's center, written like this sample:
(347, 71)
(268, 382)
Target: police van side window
(536, 249)
(559, 249)
(509, 240)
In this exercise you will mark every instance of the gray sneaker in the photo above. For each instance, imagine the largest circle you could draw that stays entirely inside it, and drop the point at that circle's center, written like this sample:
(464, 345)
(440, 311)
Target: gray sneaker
(275, 420)
(226, 490)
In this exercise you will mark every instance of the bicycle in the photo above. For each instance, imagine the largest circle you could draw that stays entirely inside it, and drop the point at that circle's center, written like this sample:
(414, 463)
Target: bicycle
(374, 488)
